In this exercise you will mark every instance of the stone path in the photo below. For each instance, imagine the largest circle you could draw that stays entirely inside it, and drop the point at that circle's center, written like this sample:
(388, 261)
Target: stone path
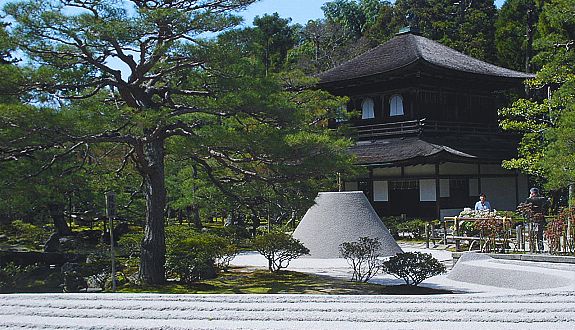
(551, 310)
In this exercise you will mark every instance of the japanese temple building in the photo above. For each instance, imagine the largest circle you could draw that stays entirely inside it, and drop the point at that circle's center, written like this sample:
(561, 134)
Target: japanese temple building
(427, 128)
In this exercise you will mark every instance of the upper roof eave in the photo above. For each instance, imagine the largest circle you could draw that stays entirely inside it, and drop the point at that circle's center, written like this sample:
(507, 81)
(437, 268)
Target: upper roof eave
(404, 50)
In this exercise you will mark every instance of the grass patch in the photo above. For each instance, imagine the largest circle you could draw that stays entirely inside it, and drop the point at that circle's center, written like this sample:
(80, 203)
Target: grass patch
(245, 281)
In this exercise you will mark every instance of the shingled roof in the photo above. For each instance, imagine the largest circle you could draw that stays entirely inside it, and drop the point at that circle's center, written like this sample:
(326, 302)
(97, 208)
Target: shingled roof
(407, 49)
(419, 150)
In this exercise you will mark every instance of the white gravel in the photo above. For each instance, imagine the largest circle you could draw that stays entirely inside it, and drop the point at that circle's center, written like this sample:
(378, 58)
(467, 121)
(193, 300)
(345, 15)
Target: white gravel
(147, 311)
(490, 304)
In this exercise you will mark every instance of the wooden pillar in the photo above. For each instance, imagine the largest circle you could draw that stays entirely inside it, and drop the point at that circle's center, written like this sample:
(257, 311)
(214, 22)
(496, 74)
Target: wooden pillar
(437, 193)
(370, 186)
(479, 178)
(457, 244)
(516, 187)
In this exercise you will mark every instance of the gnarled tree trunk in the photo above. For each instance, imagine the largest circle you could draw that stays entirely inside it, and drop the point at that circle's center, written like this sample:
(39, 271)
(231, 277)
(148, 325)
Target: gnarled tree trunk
(57, 214)
(153, 253)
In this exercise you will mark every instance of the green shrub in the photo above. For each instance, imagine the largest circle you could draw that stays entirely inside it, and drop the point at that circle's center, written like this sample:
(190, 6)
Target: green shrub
(129, 245)
(12, 275)
(192, 256)
(415, 227)
(233, 232)
(279, 249)
(392, 223)
(413, 267)
(468, 228)
(363, 256)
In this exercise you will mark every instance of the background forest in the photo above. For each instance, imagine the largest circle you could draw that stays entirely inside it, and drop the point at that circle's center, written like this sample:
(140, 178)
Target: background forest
(131, 97)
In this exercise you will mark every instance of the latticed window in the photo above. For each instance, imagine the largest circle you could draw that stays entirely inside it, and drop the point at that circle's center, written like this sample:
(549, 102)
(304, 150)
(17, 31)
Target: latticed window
(367, 111)
(404, 185)
(396, 105)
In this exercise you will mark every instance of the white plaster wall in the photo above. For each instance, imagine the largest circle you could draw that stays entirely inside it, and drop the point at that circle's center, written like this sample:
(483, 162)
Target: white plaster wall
(420, 170)
(391, 171)
(457, 169)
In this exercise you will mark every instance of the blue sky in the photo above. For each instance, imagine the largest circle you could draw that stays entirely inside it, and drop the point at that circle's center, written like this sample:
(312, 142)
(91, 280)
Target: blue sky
(299, 10)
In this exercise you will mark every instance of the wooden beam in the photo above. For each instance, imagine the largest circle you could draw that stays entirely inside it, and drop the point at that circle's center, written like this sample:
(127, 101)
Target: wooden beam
(437, 192)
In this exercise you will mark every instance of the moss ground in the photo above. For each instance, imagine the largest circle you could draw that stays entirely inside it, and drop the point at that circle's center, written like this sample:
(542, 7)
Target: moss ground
(249, 281)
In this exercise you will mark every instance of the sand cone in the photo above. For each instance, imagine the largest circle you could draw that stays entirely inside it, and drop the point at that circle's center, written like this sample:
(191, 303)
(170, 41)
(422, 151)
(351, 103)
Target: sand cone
(339, 217)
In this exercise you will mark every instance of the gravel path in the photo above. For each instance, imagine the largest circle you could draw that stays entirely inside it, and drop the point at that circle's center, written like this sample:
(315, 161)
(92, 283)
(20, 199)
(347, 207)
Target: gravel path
(151, 311)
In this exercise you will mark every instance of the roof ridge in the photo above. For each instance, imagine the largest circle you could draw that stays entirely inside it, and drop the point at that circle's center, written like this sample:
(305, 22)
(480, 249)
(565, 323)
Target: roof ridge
(406, 49)
(419, 47)
(418, 52)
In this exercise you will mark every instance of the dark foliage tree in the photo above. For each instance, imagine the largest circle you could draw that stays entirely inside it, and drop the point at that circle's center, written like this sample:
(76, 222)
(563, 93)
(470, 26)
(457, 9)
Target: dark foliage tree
(545, 121)
(276, 36)
(466, 25)
(354, 16)
(515, 30)
(349, 29)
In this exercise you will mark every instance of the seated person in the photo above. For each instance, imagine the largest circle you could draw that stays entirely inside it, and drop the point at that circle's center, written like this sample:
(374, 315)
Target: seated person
(482, 204)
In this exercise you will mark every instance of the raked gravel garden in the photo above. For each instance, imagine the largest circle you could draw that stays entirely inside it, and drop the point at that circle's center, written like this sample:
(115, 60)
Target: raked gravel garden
(488, 294)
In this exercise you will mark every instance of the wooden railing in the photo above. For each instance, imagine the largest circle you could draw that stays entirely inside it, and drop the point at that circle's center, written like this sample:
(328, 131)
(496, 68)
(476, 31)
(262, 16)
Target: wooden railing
(388, 129)
(458, 127)
(487, 242)
(415, 127)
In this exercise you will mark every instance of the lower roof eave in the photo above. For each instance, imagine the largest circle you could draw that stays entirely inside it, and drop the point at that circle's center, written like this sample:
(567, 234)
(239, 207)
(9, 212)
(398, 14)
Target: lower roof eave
(430, 160)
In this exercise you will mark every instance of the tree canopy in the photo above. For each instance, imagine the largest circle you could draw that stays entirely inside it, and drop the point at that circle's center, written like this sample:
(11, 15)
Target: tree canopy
(178, 96)
(545, 119)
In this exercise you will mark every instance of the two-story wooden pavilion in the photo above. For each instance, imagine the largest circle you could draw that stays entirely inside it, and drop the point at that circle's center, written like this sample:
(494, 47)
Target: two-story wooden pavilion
(427, 129)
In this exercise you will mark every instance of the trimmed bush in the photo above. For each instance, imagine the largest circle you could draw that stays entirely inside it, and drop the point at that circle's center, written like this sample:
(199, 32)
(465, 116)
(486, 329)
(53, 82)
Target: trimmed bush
(192, 256)
(363, 257)
(413, 267)
(279, 249)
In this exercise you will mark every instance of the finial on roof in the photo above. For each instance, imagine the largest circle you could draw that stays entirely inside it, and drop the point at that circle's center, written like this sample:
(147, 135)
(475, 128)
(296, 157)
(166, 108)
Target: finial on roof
(412, 24)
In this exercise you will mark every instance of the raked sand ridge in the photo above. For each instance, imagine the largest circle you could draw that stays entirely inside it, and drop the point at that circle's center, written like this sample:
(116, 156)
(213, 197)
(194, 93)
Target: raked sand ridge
(154, 311)
(485, 305)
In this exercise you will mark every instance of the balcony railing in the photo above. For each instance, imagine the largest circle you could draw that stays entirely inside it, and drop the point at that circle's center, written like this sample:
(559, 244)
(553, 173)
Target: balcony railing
(415, 127)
